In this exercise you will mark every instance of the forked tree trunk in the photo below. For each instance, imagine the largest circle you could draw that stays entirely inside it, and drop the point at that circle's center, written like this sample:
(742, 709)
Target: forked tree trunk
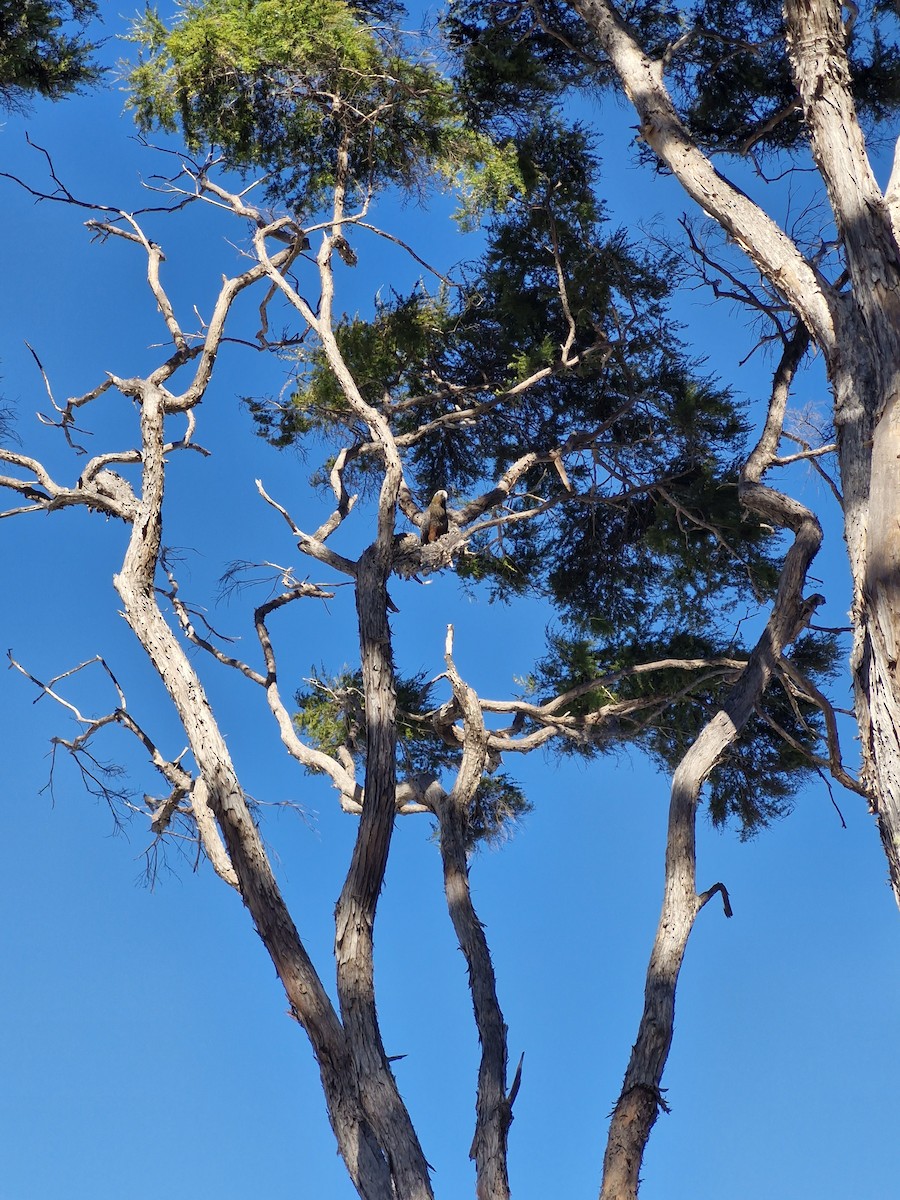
(858, 331)
(374, 1143)
(355, 913)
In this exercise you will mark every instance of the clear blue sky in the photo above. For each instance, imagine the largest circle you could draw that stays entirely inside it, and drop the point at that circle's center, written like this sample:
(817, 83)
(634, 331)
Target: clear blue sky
(145, 1048)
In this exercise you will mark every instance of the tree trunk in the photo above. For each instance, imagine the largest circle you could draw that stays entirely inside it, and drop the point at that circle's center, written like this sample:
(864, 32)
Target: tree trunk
(864, 367)
(858, 332)
(355, 913)
(874, 543)
(641, 1098)
(359, 1146)
(493, 1107)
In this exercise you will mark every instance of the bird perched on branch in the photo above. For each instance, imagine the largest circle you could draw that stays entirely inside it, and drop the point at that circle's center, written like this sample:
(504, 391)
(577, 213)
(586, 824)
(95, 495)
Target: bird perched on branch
(436, 522)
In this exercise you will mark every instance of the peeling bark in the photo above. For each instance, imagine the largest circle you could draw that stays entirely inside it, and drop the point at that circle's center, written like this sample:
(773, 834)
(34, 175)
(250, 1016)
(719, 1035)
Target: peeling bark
(866, 377)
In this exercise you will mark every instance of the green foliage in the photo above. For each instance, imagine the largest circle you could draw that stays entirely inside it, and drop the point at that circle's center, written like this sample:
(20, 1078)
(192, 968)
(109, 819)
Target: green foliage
(559, 331)
(737, 84)
(726, 64)
(645, 551)
(511, 69)
(390, 353)
(331, 714)
(656, 532)
(43, 51)
(497, 806)
(310, 92)
(756, 779)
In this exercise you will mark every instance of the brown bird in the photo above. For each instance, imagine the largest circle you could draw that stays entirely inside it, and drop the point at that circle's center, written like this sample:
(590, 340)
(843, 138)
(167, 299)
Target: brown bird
(436, 522)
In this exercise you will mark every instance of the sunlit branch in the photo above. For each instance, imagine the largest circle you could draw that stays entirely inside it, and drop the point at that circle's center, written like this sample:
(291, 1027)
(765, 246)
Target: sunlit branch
(765, 243)
(345, 501)
(210, 835)
(155, 256)
(812, 455)
(892, 192)
(576, 441)
(41, 478)
(189, 630)
(549, 707)
(229, 292)
(803, 455)
(310, 544)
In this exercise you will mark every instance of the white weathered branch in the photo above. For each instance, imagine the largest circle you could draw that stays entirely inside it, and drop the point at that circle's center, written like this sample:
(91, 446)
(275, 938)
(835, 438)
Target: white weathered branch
(768, 247)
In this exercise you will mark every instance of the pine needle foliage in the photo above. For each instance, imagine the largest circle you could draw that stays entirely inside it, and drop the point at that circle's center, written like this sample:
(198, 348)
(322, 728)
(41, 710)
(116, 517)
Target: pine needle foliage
(725, 63)
(557, 335)
(288, 84)
(331, 714)
(44, 50)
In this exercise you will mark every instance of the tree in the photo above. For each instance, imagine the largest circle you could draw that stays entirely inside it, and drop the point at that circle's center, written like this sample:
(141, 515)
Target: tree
(38, 54)
(598, 468)
(754, 82)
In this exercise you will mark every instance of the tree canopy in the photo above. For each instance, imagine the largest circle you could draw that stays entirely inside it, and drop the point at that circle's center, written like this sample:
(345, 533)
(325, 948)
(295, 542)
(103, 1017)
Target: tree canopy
(593, 463)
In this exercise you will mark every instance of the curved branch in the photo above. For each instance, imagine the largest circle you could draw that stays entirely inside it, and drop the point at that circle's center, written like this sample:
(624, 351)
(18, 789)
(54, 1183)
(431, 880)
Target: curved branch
(640, 1100)
(762, 240)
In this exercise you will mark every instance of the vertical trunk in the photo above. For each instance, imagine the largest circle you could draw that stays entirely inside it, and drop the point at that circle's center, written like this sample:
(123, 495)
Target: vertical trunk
(857, 330)
(864, 367)
(870, 470)
(493, 1109)
(355, 913)
(309, 1002)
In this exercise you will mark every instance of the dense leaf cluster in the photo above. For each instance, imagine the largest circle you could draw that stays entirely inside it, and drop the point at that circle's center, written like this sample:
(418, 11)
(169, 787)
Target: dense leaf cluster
(755, 781)
(331, 714)
(306, 89)
(43, 49)
(644, 550)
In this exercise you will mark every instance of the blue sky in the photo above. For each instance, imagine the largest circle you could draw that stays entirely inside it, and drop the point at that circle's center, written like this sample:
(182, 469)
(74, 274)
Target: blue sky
(145, 1046)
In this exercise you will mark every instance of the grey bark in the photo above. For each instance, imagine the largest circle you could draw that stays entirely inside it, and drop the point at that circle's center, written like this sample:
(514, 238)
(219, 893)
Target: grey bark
(348, 1106)
(858, 332)
(493, 1106)
(355, 913)
(865, 375)
(641, 1096)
